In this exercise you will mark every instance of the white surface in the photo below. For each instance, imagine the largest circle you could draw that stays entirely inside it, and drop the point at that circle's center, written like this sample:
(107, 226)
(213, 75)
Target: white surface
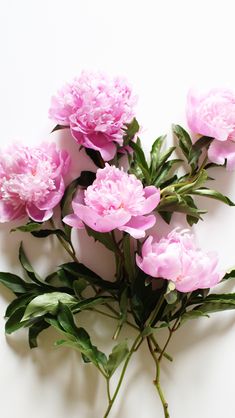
(163, 48)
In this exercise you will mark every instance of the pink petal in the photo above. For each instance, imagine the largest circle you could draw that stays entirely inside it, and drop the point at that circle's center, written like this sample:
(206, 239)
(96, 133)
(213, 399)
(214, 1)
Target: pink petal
(105, 223)
(37, 214)
(53, 198)
(96, 141)
(148, 265)
(147, 246)
(219, 151)
(10, 213)
(137, 225)
(152, 195)
(74, 221)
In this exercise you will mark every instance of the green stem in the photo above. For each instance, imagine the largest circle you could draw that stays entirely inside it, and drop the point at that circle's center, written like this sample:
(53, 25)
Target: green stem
(157, 347)
(156, 310)
(159, 350)
(157, 380)
(171, 330)
(69, 249)
(132, 350)
(108, 388)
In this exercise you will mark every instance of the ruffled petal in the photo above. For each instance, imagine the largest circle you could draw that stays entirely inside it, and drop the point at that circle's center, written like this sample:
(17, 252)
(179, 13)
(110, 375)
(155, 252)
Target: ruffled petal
(219, 151)
(137, 225)
(96, 141)
(152, 195)
(73, 221)
(37, 214)
(105, 223)
(53, 197)
(10, 213)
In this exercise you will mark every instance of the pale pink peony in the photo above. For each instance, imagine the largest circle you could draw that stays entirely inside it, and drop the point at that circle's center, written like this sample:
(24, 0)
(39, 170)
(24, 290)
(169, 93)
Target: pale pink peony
(31, 181)
(177, 258)
(115, 200)
(96, 108)
(213, 114)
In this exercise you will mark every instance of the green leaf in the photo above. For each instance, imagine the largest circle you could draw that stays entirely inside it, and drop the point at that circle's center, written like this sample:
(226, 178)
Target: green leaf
(66, 321)
(43, 233)
(143, 298)
(156, 152)
(24, 261)
(220, 298)
(181, 204)
(79, 270)
(15, 283)
(59, 127)
(130, 131)
(141, 160)
(185, 142)
(164, 157)
(166, 216)
(118, 355)
(198, 182)
(65, 203)
(82, 340)
(47, 303)
(128, 258)
(161, 177)
(196, 149)
(211, 304)
(35, 330)
(89, 303)
(103, 237)
(192, 315)
(86, 178)
(229, 275)
(213, 194)
(15, 321)
(79, 286)
(19, 302)
(29, 227)
(95, 156)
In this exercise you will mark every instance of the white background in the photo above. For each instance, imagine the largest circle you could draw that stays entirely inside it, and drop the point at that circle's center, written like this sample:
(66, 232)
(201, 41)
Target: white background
(163, 48)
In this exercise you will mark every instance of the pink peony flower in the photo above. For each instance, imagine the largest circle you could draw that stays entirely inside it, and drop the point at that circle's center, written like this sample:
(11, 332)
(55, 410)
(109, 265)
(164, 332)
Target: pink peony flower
(213, 114)
(115, 200)
(96, 108)
(31, 181)
(176, 258)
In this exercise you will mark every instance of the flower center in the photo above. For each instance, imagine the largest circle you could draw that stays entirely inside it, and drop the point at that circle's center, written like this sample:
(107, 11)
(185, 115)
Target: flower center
(114, 189)
(28, 177)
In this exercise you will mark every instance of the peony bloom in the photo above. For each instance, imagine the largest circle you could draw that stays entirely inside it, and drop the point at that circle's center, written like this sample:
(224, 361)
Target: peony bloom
(31, 181)
(96, 109)
(213, 114)
(176, 258)
(115, 200)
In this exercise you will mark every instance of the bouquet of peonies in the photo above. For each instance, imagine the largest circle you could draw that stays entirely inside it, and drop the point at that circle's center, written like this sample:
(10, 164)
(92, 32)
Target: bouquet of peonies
(158, 282)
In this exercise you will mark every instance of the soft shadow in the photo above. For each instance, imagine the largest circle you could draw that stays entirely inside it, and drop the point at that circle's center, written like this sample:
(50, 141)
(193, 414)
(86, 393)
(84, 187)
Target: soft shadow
(78, 382)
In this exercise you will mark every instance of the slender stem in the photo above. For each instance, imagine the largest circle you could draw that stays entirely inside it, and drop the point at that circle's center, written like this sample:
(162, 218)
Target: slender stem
(104, 313)
(108, 388)
(64, 243)
(156, 310)
(157, 347)
(157, 380)
(101, 371)
(159, 350)
(171, 330)
(122, 375)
